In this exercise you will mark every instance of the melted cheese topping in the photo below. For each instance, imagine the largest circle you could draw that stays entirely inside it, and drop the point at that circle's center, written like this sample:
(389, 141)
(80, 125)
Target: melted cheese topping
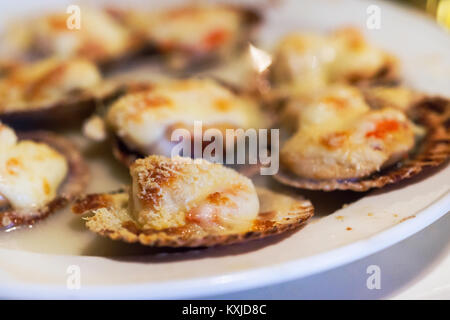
(99, 36)
(144, 118)
(307, 62)
(30, 172)
(42, 83)
(191, 29)
(340, 137)
(171, 193)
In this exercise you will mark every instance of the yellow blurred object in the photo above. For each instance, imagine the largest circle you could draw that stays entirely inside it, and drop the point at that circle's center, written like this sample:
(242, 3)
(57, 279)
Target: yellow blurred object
(443, 13)
(439, 9)
(431, 6)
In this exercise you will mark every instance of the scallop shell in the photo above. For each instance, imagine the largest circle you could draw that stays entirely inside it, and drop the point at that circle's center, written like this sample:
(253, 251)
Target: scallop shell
(122, 153)
(76, 181)
(434, 114)
(265, 87)
(194, 61)
(135, 47)
(70, 110)
(278, 214)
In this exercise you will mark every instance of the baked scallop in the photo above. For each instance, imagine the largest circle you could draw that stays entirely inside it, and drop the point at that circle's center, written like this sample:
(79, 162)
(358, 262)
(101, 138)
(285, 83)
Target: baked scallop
(52, 92)
(99, 37)
(306, 62)
(144, 121)
(193, 35)
(181, 202)
(39, 173)
(341, 143)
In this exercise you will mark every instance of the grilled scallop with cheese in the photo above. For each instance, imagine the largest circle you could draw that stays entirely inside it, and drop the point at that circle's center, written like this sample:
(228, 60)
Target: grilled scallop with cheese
(169, 193)
(184, 202)
(51, 90)
(304, 63)
(98, 37)
(341, 142)
(144, 121)
(191, 34)
(38, 174)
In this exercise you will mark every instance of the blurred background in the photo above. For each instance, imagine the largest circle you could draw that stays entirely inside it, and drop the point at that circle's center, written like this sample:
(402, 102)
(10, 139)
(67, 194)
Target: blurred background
(438, 9)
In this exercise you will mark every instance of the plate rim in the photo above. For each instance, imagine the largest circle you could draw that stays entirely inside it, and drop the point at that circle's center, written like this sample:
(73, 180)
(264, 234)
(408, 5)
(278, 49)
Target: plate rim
(239, 280)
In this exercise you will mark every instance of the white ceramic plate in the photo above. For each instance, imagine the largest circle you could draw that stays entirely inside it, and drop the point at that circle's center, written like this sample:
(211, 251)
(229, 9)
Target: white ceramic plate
(39, 263)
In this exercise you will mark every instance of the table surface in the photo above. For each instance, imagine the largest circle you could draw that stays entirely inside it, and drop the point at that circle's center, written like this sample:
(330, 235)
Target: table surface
(416, 268)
